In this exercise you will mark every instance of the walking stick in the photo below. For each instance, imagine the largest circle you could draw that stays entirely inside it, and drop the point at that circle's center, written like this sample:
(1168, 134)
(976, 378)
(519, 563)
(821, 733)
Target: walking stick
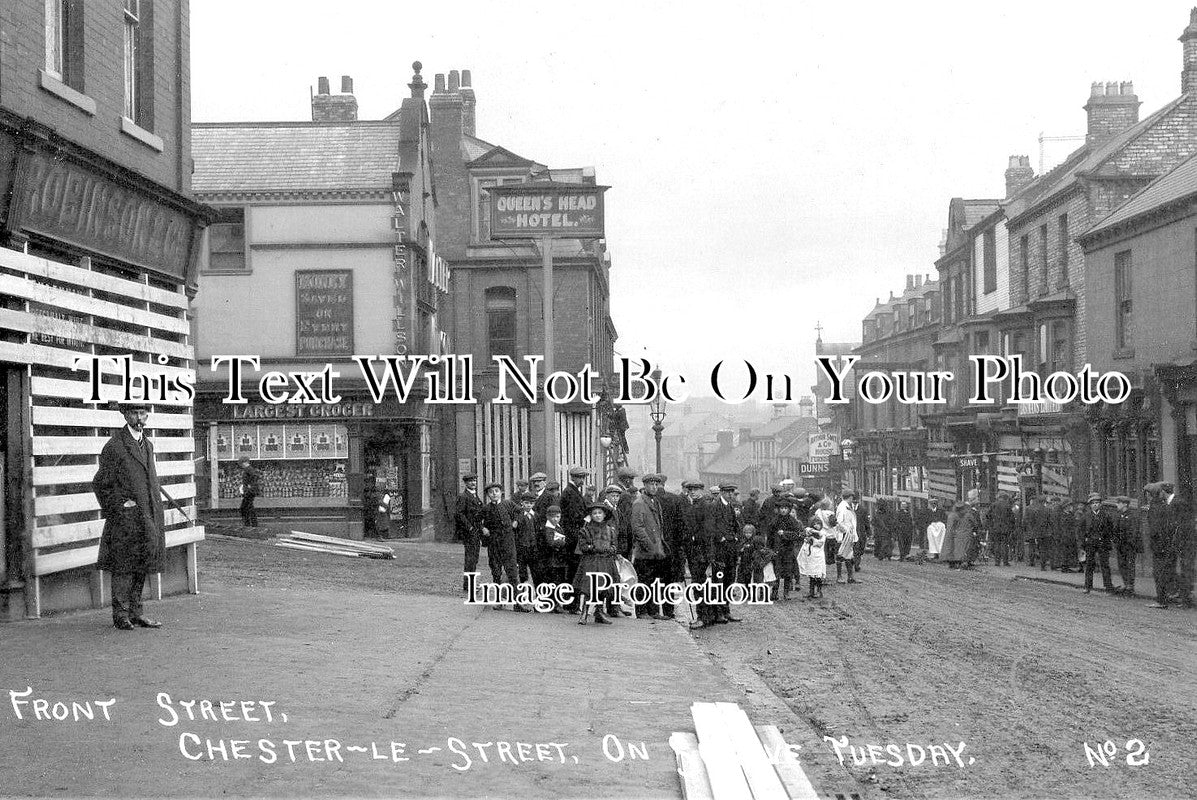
(174, 503)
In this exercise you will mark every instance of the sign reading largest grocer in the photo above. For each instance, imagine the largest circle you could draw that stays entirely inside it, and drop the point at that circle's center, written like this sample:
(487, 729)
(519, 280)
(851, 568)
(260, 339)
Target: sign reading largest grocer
(528, 210)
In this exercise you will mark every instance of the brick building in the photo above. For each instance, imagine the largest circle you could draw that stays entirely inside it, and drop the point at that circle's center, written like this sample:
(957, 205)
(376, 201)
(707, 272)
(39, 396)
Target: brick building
(325, 248)
(98, 238)
(496, 304)
(890, 440)
(1141, 308)
(1047, 321)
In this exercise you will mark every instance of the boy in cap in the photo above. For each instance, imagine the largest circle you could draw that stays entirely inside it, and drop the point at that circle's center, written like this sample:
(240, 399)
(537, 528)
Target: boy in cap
(498, 536)
(551, 547)
(525, 539)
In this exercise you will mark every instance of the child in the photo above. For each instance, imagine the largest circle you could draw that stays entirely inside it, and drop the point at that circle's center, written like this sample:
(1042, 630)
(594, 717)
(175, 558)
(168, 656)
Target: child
(596, 545)
(811, 559)
(551, 548)
(756, 555)
(525, 539)
(785, 535)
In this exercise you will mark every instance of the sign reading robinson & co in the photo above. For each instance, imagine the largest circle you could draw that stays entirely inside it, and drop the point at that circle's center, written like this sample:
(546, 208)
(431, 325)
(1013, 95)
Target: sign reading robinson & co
(533, 210)
(324, 312)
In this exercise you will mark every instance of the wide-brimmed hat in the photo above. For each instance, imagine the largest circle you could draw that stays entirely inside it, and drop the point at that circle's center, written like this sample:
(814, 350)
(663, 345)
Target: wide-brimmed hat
(606, 509)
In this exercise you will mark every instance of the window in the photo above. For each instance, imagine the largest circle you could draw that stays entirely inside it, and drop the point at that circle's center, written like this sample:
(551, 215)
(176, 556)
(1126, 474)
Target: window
(1060, 355)
(1043, 259)
(981, 342)
(1122, 300)
(64, 42)
(139, 63)
(226, 240)
(500, 321)
(1064, 242)
(989, 260)
(1024, 261)
(958, 287)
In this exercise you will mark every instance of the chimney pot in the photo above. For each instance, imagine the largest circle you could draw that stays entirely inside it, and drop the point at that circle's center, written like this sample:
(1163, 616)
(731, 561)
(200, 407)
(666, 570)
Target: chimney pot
(465, 78)
(1112, 109)
(1097, 90)
(322, 85)
(346, 84)
(454, 81)
(909, 282)
(438, 83)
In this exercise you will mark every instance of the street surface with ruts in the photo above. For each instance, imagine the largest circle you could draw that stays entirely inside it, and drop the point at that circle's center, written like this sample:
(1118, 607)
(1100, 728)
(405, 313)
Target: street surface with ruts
(918, 681)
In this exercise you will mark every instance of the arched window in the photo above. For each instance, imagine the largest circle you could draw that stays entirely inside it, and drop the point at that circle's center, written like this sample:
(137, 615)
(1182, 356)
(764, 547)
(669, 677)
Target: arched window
(500, 321)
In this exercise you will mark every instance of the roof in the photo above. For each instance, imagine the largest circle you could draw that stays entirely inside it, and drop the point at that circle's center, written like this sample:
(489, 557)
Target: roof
(294, 156)
(1082, 160)
(1176, 185)
(779, 425)
(977, 210)
(734, 462)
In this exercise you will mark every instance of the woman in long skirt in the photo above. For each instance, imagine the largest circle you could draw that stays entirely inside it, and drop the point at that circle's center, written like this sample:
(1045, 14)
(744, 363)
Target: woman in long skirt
(596, 545)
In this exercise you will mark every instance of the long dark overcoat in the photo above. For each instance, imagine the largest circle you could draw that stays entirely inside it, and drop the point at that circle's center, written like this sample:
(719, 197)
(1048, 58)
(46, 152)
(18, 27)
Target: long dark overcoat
(134, 538)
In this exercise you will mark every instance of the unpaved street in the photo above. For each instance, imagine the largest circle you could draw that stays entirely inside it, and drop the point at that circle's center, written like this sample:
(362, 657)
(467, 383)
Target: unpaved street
(1023, 673)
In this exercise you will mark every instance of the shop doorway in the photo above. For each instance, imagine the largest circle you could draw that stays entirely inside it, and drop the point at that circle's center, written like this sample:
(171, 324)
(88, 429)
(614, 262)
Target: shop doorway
(384, 487)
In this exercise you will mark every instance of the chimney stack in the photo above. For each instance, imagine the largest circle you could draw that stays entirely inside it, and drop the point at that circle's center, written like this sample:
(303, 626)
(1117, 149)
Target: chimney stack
(1112, 108)
(909, 283)
(1188, 75)
(446, 108)
(1018, 174)
(467, 103)
(334, 107)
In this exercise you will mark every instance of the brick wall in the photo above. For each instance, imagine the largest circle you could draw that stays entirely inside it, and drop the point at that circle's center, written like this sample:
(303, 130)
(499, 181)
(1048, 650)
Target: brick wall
(22, 55)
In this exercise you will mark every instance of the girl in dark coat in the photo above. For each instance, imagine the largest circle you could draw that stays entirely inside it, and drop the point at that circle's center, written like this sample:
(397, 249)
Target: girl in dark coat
(785, 534)
(596, 546)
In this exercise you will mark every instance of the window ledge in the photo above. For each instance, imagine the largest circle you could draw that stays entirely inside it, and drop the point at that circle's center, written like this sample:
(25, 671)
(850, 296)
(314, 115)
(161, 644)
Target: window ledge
(1123, 353)
(60, 90)
(225, 272)
(131, 128)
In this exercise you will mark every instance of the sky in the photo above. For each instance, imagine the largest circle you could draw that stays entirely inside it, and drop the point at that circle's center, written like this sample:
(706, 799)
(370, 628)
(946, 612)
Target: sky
(773, 166)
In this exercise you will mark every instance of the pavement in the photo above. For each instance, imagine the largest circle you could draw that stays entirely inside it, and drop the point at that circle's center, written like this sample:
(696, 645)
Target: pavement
(370, 693)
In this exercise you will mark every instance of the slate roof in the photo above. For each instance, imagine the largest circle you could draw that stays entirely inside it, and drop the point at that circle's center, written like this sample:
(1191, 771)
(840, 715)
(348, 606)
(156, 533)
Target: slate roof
(734, 462)
(1178, 184)
(977, 210)
(294, 156)
(779, 425)
(1082, 160)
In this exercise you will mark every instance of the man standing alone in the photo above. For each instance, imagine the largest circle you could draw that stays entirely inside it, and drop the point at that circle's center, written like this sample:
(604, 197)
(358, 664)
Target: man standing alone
(133, 543)
(251, 487)
(468, 521)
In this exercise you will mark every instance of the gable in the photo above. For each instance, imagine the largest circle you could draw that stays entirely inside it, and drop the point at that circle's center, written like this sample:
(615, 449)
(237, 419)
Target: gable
(501, 157)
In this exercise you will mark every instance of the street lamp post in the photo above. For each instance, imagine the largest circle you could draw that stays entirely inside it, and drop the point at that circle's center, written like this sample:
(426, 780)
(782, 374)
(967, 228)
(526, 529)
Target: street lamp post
(657, 412)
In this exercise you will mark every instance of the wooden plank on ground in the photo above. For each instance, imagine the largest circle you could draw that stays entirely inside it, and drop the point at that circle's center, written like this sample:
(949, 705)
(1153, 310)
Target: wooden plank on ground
(786, 764)
(762, 779)
(319, 548)
(333, 540)
(696, 785)
(719, 754)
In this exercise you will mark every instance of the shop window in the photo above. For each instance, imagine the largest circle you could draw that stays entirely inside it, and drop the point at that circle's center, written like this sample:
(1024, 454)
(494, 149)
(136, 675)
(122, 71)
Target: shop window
(1122, 300)
(226, 241)
(989, 260)
(500, 321)
(64, 42)
(139, 63)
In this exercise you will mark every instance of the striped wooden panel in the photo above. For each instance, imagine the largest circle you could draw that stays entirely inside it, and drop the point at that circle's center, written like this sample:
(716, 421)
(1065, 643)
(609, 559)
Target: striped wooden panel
(32, 322)
(90, 530)
(82, 304)
(502, 444)
(45, 564)
(93, 311)
(92, 445)
(86, 501)
(69, 273)
(80, 390)
(941, 483)
(575, 444)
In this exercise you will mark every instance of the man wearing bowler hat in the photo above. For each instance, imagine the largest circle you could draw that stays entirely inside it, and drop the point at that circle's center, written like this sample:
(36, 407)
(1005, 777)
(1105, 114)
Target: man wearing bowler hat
(468, 521)
(133, 544)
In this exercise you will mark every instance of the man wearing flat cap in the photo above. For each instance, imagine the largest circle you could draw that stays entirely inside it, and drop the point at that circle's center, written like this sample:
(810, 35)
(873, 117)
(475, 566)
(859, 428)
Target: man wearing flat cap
(573, 517)
(648, 536)
(468, 522)
(538, 483)
(1127, 543)
(623, 510)
(499, 523)
(1096, 534)
(133, 544)
(722, 530)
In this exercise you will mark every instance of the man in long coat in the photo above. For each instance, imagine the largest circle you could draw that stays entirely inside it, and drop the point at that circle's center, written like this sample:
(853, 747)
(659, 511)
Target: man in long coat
(1097, 534)
(468, 521)
(573, 517)
(133, 544)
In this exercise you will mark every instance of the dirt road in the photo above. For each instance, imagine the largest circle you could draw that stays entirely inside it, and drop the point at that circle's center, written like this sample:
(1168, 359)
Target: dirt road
(1023, 674)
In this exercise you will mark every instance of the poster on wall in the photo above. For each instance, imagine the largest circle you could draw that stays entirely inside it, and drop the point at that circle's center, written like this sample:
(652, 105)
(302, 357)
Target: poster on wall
(324, 312)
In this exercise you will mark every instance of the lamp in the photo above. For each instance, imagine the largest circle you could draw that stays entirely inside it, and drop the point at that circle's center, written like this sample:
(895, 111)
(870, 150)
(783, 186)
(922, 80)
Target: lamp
(605, 442)
(656, 410)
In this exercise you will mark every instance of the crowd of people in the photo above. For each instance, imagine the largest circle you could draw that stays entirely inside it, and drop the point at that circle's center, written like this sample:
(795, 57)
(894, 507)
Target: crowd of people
(546, 533)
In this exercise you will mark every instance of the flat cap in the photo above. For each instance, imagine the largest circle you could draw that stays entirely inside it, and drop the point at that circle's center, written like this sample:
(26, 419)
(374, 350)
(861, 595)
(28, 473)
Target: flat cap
(538, 476)
(625, 472)
(653, 477)
(693, 485)
(552, 486)
(728, 487)
(527, 497)
(1121, 499)
(578, 472)
(494, 485)
(129, 405)
(469, 477)
(1094, 497)
(614, 487)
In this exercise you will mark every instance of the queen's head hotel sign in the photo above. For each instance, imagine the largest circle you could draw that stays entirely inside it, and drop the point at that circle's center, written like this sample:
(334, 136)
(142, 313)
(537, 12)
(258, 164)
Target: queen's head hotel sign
(536, 210)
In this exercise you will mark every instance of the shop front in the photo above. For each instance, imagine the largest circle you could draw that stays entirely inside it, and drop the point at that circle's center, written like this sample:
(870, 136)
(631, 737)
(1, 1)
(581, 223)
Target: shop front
(354, 468)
